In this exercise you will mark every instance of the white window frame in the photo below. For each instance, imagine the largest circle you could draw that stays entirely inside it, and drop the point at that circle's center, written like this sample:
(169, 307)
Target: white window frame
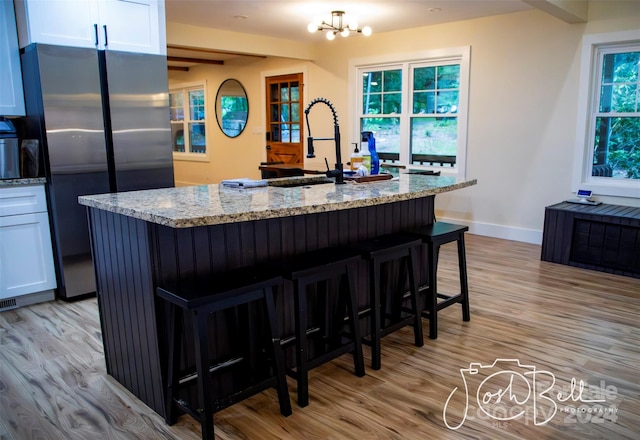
(587, 104)
(185, 88)
(460, 55)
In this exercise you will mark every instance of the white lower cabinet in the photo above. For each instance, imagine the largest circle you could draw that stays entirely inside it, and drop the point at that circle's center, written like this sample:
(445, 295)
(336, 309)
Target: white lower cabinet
(27, 273)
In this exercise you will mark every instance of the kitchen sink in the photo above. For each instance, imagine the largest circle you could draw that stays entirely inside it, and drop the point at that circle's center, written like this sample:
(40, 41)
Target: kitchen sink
(294, 182)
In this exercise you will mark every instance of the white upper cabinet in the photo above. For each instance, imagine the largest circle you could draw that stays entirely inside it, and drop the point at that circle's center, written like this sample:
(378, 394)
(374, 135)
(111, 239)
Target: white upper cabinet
(124, 25)
(11, 95)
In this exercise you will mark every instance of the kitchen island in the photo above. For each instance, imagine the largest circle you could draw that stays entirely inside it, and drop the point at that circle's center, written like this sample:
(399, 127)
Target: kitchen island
(144, 239)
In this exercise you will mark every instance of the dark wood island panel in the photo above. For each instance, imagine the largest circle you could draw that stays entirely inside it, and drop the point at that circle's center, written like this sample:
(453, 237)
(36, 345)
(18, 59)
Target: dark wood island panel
(132, 257)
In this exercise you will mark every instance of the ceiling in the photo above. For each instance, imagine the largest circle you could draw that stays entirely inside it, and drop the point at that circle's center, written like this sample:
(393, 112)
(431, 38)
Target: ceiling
(288, 19)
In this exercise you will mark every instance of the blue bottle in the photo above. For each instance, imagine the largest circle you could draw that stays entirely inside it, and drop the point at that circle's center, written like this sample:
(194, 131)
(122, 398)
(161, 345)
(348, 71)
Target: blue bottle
(367, 136)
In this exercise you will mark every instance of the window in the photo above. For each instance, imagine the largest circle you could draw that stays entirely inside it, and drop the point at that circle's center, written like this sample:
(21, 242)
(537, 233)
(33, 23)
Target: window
(188, 121)
(608, 138)
(416, 107)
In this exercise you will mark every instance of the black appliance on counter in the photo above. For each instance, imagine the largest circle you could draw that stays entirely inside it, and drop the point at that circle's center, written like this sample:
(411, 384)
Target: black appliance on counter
(102, 118)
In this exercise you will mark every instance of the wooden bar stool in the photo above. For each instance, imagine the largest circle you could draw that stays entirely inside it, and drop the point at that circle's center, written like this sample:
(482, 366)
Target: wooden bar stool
(379, 251)
(228, 290)
(434, 236)
(314, 345)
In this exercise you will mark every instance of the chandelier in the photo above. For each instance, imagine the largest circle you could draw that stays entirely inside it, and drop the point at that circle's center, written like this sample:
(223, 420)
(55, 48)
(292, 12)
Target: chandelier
(338, 25)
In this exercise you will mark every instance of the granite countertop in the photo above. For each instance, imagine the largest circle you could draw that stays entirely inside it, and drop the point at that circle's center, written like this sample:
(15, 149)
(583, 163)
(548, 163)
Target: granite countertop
(192, 206)
(25, 181)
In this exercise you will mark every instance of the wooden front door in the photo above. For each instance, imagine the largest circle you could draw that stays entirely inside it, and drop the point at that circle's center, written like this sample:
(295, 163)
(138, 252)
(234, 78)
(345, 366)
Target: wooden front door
(284, 118)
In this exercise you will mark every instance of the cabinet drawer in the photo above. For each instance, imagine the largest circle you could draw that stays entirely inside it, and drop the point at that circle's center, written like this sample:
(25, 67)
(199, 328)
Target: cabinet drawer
(22, 200)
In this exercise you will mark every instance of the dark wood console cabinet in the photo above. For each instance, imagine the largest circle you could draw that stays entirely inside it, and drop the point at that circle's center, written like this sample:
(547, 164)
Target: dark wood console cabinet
(601, 237)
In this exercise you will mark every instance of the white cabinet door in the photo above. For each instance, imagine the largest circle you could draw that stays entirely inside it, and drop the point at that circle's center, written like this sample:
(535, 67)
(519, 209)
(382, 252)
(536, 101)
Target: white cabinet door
(26, 257)
(60, 22)
(125, 25)
(11, 94)
(133, 26)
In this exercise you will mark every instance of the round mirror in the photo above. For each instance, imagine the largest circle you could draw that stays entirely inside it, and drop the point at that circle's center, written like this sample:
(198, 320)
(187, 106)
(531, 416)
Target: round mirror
(232, 108)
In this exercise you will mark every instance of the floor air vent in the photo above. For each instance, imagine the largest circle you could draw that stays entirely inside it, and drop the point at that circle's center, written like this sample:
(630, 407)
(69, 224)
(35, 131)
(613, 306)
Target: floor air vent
(6, 304)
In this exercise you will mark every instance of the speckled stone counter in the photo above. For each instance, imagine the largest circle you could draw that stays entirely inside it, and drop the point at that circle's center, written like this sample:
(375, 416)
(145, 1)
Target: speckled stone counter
(21, 182)
(186, 236)
(192, 206)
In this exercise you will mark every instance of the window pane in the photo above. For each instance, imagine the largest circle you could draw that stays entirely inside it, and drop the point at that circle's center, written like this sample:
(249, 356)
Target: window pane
(295, 112)
(274, 116)
(196, 105)
(619, 86)
(615, 152)
(274, 92)
(176, 114)
(434, 136)
(387, 133)
(284, 112)
(449, 76)
(177, 137)
(372, 82)
(392, 103)
(284, 92)
(447, 102)
(275, 133)
(424, 78)
(424, 102)
(372, 104)
(176, 99)
(295, 132)
(285, 133)
(176, 106)
(392, 80)
(620, 67)
(197, 138)
(295, 91)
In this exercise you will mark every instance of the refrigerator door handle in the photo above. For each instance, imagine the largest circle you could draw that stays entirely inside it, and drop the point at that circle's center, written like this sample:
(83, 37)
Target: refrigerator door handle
(106, 41)
(95, 33)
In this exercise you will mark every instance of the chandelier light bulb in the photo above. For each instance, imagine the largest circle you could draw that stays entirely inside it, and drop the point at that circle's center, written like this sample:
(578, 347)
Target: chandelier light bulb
(340, 24)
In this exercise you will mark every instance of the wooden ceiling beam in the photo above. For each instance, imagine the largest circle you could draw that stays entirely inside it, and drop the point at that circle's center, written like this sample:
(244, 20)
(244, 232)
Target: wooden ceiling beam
(204, 50)
(194, 60)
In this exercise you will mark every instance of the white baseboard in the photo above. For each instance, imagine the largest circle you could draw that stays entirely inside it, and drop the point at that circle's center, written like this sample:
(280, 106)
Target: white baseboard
(500, 231)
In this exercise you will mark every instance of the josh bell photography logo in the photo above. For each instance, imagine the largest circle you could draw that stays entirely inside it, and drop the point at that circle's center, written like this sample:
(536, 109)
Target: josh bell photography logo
(508, 390)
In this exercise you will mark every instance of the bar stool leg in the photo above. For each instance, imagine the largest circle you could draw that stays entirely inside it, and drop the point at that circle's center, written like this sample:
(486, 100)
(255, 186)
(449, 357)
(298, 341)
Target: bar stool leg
(415, 306)
(302, 354)
(464, 286)
(376, 314)
(352, 309)
(432, 291)
(175, 346)
(204, 379)
(278, 356)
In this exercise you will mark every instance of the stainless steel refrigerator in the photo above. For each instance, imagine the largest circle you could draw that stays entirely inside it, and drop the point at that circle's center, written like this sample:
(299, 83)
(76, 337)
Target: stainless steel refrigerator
(102, 119)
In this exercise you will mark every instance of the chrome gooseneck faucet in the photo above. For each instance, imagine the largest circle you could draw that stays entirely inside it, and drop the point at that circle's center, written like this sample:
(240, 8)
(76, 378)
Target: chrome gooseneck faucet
(338, 171)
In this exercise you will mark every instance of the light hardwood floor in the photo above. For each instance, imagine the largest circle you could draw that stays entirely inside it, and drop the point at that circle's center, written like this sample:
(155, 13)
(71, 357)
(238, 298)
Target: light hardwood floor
(571, 322)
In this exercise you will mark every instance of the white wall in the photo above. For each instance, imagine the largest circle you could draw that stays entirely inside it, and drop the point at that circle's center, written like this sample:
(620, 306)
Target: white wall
(523, 98)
